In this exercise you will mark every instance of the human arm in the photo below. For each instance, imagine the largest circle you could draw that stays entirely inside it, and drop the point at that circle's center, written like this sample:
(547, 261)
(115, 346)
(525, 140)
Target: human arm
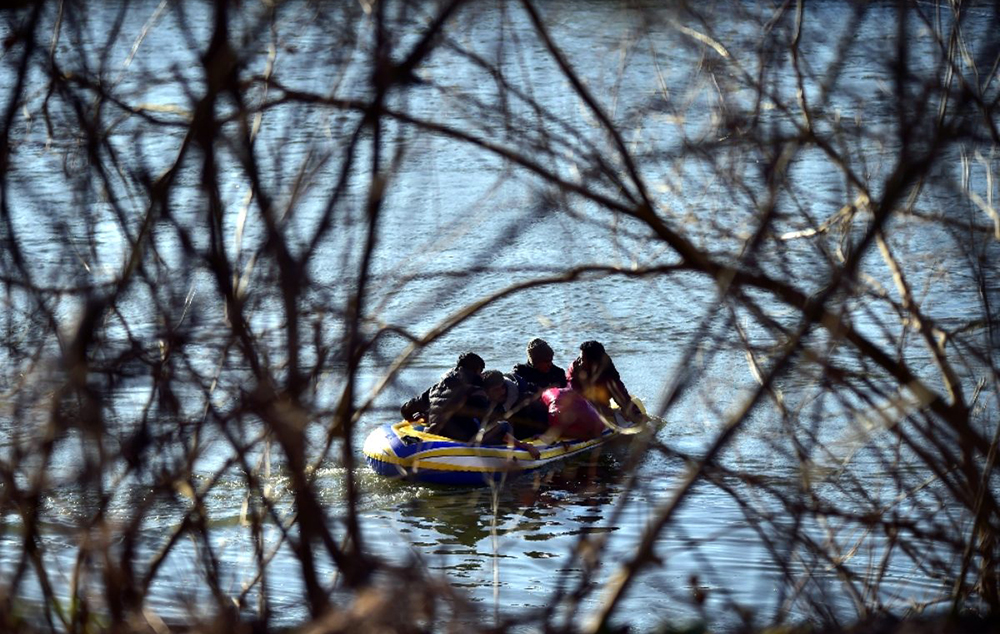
(416, 408)
(525, 446)
(573, 378)
(624, 400)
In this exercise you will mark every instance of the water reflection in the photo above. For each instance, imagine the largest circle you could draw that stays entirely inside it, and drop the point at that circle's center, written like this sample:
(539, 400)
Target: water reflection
(514, 544)
(580, 491)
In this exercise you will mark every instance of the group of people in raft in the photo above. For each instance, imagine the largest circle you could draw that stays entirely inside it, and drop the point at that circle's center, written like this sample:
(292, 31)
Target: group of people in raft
(488, 407)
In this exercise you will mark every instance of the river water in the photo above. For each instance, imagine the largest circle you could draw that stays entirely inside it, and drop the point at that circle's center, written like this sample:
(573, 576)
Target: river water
(452, 208)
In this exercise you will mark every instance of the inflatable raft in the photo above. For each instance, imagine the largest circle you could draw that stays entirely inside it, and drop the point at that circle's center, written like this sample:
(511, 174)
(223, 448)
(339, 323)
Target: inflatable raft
(405, 451)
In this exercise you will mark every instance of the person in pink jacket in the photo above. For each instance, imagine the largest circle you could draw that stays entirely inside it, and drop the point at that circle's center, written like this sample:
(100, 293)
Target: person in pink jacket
(581, 409)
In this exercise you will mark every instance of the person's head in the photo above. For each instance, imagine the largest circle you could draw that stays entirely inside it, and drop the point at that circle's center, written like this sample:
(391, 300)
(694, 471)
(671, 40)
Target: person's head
(471, 362)
(592, 352)
(540, 354)
(494, 385)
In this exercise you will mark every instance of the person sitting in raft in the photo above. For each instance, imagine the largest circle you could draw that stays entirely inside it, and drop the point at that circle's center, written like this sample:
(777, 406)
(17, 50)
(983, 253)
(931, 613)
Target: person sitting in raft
(570, 415)
(539, 371)
(593, 375)
(494, 427)
(530, 416)
(467, 405)
(516, 406)
(442, 400)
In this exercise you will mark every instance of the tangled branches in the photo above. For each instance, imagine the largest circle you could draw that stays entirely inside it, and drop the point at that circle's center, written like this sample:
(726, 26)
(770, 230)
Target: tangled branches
(228, 229)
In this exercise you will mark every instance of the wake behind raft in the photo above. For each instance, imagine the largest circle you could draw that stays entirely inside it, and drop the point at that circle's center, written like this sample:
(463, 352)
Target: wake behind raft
(405, 451)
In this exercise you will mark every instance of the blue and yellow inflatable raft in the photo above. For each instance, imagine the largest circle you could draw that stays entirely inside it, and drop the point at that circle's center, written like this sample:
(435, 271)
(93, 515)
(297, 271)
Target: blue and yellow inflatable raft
(405, 451)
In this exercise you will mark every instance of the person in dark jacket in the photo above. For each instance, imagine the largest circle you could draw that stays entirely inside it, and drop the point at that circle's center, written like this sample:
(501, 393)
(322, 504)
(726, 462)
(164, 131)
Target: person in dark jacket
(530, 417)
(468, 405)
(495, 423)
(593, 374)
(539, 373)
(440, 402)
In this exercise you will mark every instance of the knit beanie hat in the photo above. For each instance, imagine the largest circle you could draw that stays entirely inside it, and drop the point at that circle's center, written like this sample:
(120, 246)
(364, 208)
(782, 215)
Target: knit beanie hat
(539, 350)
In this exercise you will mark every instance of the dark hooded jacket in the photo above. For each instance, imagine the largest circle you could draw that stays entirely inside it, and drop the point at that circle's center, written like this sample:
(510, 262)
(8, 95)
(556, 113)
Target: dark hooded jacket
(531, 416)
(450, 397)
(465, 420)
(472, 422)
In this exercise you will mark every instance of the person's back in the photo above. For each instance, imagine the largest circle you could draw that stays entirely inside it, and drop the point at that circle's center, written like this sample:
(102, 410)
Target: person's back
(448, 396)
(571, 415)
(481, 417)
(465, 421)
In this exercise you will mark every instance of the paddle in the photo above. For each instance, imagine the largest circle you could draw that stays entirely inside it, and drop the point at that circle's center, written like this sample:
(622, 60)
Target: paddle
(629, 430)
